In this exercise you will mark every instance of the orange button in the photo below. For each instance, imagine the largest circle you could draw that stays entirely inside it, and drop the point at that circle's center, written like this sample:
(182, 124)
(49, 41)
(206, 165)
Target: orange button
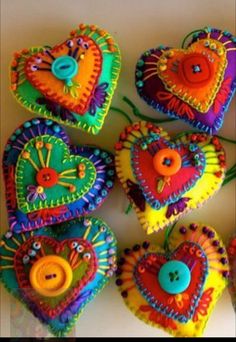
(195, 70)
(51, 276)
(47, 177)
(167, 162)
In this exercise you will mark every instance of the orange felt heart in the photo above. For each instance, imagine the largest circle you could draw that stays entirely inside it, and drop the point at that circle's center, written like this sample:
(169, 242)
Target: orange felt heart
(195, 74)
(68, 73)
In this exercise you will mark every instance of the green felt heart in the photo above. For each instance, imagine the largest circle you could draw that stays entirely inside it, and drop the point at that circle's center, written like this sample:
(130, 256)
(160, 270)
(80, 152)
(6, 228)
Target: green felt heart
(48, 176)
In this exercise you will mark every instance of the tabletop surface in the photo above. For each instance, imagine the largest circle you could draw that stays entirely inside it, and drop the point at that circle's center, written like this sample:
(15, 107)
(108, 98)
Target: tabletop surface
(137, 26)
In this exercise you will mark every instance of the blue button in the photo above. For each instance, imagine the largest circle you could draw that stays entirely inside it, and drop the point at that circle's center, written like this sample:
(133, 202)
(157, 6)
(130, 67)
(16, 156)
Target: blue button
(65, 68)
(174, 277)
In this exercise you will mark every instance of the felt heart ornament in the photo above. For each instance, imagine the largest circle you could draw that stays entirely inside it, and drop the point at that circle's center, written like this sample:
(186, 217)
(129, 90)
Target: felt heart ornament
(71, 83)
(48, 180)
(175, 287)
(232, 275)
(165, 178)
(56, 271)
(195, 84)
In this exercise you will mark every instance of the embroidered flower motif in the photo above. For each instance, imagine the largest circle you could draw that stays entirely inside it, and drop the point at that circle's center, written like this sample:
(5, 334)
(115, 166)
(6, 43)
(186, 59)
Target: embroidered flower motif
(179, 299)
(56, 109)
(158, 318)
(99, 98)
(203, 304)
(35, 192)
(177, 207)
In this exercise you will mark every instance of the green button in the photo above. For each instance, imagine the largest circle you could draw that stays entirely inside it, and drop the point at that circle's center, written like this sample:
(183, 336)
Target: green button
(65, 68)
(174, 277)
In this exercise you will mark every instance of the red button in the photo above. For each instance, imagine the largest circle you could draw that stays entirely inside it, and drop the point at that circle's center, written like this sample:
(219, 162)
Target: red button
(195, 70)
(47, 177)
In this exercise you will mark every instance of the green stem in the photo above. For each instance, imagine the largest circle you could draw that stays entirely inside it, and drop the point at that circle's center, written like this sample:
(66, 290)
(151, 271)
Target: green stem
(190, 34)
(128, 209)
(226, 139)
(231, 170)
(168, 232)
(229, 179)
(137, 113)
(120, 111)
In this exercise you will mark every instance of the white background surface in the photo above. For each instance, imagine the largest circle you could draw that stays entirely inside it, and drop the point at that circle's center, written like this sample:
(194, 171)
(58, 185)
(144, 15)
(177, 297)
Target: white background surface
(137, 26)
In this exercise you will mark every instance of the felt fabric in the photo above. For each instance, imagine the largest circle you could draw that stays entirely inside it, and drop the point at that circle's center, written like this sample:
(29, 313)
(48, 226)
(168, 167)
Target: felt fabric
(160, 194)
(87, 247)
(71, 83)
(195, 84)
(48, 181)
(185, 312)
(232, 261)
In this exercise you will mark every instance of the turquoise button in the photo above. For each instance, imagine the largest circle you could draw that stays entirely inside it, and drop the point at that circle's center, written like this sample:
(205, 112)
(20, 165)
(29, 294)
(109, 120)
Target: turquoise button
(174, 277)
(65, 68)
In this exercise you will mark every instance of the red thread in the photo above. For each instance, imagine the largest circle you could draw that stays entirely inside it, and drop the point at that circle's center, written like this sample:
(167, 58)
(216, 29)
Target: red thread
(45, 214)
(10, 186)
(158, 318)
(203, 305)
(222, 95)
(175, 104)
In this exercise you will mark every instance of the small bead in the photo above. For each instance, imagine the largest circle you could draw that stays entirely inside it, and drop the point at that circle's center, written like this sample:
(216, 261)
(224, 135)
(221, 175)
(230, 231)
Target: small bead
(233, 39)
(104, 154)
(224, 261)
(221, 250)
(111, 251)
(98, 200)
(226, 34)
(211, 234)
(35, 121)
(118, 271)
(108, 160)
(139, 84)
(109, 273)
(31, 253)
(124, 294)
(136, 248)
(146, 244)
(96, 152)
(109, 238)
(8, 235)
(139, 73)
(91, 206)
(27, 124)
(56, 128)
(144, 146)
(205, 230)
(109, 184)
(140, 62)
(162, 67)
(161, 47)
(18, 131)
(110, 172)
(48, 122)
(182, 230)
(193, 226)
(215, 243)
(87, 222)
(121, 262)
(104, 192)
(7, 147)
(225, 274)
(13, 138)
(127, 251)
(119, 282)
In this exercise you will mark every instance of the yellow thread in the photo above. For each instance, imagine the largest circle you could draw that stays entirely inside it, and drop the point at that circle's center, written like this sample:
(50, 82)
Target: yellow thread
(95, 236)
(67, 171)
(23, 237)
(150, 69)
(100, 243)
(149, 76)
(33, 164)
(231, 49)
(151, 63)
(104, 267)
(220, 36)
(103, 260)
(103, 253)
(67, 185)
(68, 177)
(9, 248)
(6, 267)
(101, 272)
(87, 232)
(16, 241)
(31, 233)
(48, 158)
(3, 257)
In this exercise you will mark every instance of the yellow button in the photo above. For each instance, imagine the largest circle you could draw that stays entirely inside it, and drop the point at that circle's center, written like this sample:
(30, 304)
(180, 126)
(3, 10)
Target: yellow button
(51, 276)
